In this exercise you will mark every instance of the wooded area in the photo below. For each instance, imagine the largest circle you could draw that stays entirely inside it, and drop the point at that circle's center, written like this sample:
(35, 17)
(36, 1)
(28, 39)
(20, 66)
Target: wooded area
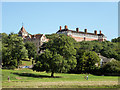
(62, 54)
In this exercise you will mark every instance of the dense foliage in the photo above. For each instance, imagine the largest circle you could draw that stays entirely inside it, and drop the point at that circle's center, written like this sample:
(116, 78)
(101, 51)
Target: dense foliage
(32, 52)
(67, 50)
(112, 67)
(87, 61)
(13, 50)
(51, 36)
(59, 55)
(106, 48)
(116, 39)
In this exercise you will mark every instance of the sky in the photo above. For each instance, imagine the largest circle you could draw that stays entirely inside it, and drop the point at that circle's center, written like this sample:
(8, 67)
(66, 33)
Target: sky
(46, 17)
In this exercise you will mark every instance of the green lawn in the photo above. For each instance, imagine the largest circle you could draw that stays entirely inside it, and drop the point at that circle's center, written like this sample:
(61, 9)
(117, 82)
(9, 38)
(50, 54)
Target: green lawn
(28, 78)
(26, 63)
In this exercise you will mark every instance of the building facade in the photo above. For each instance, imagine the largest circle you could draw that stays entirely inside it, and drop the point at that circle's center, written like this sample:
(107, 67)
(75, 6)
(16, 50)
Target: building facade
(37, 39)
(80, 36)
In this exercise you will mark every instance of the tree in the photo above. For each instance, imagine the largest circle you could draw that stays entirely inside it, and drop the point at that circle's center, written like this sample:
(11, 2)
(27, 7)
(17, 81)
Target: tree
(13, 50)
(86, 61)
(109, 52)
(116, 39)
(59, 55)
(86, 45)
(97, 47)
(112, 67)
(117, 42)
(51, 36)
(49, 62)
(31, 49)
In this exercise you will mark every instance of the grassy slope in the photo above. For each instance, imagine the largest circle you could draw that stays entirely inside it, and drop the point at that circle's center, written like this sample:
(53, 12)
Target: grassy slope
(29, 78)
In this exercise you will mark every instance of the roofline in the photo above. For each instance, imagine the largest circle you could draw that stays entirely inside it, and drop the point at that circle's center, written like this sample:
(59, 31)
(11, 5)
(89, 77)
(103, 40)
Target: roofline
(79, 32)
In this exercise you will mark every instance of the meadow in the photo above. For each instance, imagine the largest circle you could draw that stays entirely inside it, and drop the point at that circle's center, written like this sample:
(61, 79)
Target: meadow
(27, 78)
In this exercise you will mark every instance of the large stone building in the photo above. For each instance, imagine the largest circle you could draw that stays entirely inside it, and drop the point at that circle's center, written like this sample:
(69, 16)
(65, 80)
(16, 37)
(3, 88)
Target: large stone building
(80, 36)
(37, 39)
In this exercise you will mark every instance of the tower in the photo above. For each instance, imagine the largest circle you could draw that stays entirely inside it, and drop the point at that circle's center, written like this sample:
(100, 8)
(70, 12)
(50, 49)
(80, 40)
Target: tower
(23, 32)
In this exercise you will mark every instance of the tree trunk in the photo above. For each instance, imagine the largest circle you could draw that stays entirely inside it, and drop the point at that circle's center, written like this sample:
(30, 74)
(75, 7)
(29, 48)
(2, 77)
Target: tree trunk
(52, 74)
(17, 63)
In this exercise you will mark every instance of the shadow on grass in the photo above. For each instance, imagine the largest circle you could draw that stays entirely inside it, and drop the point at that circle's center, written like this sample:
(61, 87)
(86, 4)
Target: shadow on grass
(36, 76)
(25, 60)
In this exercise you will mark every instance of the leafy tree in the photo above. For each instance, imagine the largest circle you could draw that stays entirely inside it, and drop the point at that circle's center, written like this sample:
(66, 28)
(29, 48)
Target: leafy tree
(116, 39)
(109, 52)
(13, 50)
(86, 56)
(86, 45)
(31, 49)
(50, 62)
(59, 55)
(97, 47)
(112, 67)
(63, 45)
(86, 61)
(51, 36)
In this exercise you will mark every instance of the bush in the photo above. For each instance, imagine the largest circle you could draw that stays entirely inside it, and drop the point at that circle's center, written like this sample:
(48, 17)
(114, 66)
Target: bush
(111, 68)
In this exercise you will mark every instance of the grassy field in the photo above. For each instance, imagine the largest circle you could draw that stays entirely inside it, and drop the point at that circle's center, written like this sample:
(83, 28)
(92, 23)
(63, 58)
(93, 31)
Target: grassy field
(26, 63)
(26, 78)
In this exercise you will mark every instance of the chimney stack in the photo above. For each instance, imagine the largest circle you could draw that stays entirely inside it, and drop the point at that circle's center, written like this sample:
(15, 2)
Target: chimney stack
(100, 32)
(77, 29)
(85, 30)
(95, 32)
(60, 28)
(66, 27)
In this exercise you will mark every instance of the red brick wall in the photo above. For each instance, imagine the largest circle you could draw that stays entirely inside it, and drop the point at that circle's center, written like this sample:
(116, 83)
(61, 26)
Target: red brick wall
(82, 38)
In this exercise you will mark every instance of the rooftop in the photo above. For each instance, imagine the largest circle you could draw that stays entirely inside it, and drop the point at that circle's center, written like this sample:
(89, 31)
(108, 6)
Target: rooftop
(22, 30)
(77, 31)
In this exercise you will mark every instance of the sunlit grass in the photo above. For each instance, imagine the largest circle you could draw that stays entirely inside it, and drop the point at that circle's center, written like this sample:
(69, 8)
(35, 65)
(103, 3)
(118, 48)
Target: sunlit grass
(29, 78)
(26, 63)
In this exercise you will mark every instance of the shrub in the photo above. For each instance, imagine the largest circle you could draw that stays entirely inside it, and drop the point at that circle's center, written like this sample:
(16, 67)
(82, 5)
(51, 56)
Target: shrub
(112, 67)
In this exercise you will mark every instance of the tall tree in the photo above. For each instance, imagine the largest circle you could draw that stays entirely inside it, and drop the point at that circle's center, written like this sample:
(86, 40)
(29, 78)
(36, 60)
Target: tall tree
(59, 55)
(13, 50)
(31, 49)
(86, 61)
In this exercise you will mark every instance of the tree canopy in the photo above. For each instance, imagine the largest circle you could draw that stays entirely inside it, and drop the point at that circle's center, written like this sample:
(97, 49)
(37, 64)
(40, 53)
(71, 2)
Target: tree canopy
(13, 50)
(67, 49)
(31, 49)
(59, 55)
(87, 61)
(116, 39)
(111, 67)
